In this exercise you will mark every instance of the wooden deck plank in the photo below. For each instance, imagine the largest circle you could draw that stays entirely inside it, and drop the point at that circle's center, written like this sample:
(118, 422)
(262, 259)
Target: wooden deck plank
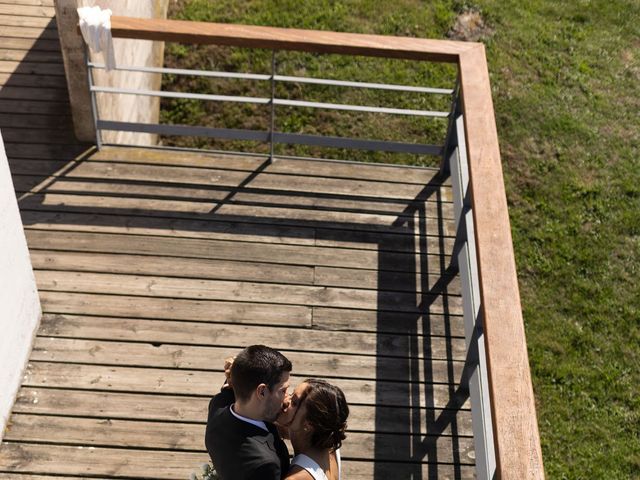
(43, 3)
(234, 270)
(30, 476)
(60, 221)
(185, 209)
(354, 361)
(133, 463)
(167, 201)
(307, 167)
(392, 281)
(11, 92)
(39, 93)
(73, 307)
(177, 437)
(89, 462)
(43, 136)
(30, 68)
(167, 408)
(137, 224)
(198, 383)
(173, 267)
(32, 44)
(39, 107)
(189, 437)
(22, 20)
(27, 10)
(29, 56)
(298, 205)
(354, 470)
(263, 180)
(174, 309)
(33, 33)
(223, 249)
(250, 292)
(32, 167)
(125, 406)
(430, 322)
(170, 336)
(35, 122)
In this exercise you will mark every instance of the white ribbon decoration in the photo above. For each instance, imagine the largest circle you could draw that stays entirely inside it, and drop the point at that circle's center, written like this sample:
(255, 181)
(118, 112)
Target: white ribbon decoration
(95, 25)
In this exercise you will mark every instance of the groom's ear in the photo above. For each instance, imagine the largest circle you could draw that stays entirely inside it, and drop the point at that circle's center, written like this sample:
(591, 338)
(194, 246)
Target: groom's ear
(261, 390)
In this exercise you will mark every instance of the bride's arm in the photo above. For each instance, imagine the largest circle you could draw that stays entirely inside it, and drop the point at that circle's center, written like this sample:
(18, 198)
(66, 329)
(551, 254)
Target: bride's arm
(297, 473)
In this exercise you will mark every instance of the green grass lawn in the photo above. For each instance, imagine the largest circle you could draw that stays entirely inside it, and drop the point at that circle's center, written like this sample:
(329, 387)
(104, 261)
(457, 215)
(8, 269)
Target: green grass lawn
(565, 78)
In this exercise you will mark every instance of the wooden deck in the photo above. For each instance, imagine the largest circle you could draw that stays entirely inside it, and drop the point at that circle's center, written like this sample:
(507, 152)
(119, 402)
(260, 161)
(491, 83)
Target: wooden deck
(154, 265)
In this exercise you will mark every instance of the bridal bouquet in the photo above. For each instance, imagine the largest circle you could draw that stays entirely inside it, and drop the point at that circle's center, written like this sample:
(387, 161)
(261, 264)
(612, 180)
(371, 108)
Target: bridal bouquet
(208, 473)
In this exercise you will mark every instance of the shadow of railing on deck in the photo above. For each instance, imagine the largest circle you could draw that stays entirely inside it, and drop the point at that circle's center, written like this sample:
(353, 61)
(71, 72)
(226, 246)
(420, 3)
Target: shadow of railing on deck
(35, 117)
(415, 448)
(402, 310)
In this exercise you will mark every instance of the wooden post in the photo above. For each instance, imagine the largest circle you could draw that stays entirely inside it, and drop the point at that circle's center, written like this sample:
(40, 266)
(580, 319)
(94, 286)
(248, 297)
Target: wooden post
(128, 52)
(73, 57)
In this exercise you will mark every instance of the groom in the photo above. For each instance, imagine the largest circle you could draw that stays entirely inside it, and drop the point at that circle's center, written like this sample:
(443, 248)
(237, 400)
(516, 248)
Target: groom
(241, 439)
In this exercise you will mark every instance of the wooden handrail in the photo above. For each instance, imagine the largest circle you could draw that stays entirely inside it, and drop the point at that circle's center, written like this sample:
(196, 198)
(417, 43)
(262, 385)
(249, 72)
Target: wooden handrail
(287, 39)
(515, 427)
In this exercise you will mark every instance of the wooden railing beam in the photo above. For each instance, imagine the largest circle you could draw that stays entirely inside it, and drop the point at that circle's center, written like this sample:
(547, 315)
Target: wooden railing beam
(288, 39)
(515, 427)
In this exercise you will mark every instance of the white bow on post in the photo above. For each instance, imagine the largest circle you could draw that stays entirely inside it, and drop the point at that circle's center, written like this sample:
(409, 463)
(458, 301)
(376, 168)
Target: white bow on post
(95, 25)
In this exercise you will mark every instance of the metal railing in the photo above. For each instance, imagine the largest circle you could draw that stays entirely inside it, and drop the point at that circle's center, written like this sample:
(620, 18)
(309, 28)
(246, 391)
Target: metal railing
(505, 429)
(270, 136)
(464, 257)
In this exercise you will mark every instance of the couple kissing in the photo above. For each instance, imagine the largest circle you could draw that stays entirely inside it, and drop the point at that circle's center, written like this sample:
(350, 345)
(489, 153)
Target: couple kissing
(253, 412)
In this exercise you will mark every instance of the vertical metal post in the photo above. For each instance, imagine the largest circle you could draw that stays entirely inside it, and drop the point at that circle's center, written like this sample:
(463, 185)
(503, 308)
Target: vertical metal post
(469, 278)
(273, 105)
(92, 96)
(454, 112)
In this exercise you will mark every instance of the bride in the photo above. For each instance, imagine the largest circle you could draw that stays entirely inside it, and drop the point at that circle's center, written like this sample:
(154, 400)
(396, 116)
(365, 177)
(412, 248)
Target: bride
(316, 420)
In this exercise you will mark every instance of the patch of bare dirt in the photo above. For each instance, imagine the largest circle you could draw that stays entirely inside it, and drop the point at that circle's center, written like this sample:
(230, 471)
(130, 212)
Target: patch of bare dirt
(470, 27)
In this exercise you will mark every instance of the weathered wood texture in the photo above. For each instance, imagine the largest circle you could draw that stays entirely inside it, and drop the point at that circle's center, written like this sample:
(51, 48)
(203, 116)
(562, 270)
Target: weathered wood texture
(153, 268)
(288, 39)
(517, 440)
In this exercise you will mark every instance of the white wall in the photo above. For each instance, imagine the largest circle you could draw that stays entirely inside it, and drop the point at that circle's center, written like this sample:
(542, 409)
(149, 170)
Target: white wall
(19, 303)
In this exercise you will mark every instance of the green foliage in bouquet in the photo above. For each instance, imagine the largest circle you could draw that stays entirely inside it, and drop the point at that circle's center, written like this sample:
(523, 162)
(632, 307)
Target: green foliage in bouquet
(207, 472)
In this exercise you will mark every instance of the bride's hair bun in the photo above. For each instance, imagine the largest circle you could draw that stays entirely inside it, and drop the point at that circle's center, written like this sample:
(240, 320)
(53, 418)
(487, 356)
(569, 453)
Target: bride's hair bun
(327, 413)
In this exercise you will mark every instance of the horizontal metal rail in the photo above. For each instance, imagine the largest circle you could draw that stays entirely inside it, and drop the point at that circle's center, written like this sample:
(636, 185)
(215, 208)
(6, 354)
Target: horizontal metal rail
(188, 96)
(278, 137)
(376, 86)
(360, 108)
(276, 101)
(182, 71)
(281, 78)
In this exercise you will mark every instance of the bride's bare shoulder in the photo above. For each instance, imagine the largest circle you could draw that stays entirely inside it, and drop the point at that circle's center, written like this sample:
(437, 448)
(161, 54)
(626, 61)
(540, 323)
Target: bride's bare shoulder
(298, 473)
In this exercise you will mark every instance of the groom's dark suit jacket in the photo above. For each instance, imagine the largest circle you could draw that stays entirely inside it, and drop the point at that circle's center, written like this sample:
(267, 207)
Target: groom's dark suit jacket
(240, 450)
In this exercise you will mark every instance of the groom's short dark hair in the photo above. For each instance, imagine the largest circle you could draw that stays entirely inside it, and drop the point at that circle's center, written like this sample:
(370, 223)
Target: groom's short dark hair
(254, 365)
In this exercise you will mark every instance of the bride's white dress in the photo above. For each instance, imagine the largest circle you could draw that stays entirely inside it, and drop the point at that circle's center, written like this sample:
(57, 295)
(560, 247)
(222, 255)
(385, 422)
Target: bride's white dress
(312, 467)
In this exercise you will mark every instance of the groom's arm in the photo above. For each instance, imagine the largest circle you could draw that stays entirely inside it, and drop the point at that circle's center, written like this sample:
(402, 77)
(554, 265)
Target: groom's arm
(223, 399)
